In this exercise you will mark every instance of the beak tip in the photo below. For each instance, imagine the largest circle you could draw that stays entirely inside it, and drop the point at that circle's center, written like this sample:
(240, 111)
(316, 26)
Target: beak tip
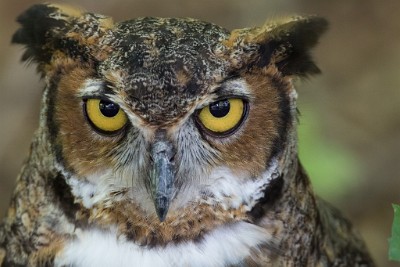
(162, 206)
(161, 214)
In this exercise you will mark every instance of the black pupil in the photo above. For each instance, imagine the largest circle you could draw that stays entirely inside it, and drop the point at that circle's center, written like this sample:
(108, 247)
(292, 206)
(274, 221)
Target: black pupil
(220, 108)
(108, 109)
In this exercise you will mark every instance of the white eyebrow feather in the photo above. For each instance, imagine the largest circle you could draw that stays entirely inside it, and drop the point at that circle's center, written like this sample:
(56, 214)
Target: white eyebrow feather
(91, 87)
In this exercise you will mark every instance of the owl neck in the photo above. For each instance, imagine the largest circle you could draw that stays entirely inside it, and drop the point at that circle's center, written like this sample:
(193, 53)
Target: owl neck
(291, 189)
(288, 203)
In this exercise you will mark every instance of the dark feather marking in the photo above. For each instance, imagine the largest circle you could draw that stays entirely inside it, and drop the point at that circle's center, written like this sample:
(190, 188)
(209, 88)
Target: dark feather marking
(272, 194)
(293, 41)
(34, 33)
(285, 118)
(62, 192)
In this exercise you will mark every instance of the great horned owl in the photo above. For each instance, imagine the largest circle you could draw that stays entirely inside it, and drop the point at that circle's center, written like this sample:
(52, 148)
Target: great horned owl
(169, 142)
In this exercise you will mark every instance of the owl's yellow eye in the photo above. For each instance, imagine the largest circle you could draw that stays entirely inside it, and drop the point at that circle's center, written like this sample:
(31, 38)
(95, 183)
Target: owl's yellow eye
(104, 115)
(223, 116)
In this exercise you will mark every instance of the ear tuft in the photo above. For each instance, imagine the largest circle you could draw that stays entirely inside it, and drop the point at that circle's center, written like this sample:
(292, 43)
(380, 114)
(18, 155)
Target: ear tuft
(291, 43)
(42, 26)
(35, 23)
(287, 44)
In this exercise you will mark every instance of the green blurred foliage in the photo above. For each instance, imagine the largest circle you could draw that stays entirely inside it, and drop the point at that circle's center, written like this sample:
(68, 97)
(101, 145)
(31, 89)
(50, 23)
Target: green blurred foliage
(333, 170)
(394, 241)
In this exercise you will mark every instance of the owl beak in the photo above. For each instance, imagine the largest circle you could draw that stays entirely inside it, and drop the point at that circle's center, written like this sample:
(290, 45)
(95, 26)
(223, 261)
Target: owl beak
(162, 174)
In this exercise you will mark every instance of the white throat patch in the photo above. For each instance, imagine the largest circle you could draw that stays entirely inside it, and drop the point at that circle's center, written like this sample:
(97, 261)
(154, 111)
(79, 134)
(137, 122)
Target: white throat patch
(223, 246)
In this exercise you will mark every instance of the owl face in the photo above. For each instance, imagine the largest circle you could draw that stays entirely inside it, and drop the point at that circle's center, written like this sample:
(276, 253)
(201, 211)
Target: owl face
(160, 118)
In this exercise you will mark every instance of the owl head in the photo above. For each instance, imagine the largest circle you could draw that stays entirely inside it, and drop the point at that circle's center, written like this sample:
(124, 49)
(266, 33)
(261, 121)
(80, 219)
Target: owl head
(164, 119)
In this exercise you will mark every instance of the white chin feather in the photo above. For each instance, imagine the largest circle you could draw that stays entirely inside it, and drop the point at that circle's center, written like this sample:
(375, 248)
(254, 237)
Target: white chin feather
(232, 190)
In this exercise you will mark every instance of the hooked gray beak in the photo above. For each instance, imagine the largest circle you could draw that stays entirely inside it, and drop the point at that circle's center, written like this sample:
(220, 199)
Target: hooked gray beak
(162, 174)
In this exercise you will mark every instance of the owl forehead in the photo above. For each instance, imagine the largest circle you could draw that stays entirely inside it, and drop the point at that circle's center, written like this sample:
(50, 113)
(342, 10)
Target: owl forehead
(165, 65)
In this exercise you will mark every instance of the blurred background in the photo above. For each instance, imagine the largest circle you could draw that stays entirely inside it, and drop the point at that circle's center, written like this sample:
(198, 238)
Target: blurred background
(350, 123)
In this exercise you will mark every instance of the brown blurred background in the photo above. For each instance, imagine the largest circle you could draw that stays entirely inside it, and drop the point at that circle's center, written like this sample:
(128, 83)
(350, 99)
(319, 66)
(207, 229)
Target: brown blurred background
(354, 105)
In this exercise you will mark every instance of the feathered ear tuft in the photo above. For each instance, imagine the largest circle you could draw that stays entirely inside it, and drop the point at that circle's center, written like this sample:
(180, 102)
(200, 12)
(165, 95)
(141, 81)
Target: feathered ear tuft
(42, 28)
(52, 32)
(285, 43)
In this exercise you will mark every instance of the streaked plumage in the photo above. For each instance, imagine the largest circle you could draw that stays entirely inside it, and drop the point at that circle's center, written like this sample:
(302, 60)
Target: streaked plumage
(169, 142)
